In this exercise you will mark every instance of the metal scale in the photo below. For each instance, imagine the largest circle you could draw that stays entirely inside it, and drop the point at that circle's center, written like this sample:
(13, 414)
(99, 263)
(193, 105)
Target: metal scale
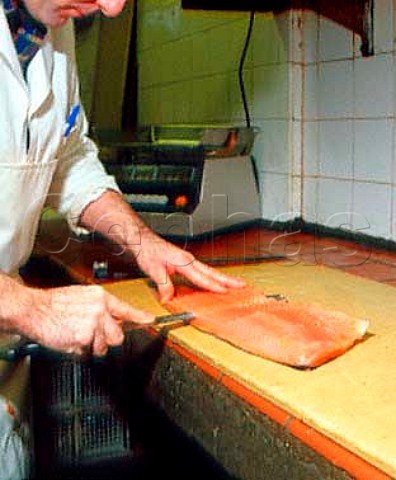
(186, 181)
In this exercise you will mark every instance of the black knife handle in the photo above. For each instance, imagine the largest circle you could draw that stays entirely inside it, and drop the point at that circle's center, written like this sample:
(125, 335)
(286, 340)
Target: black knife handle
(19, 350)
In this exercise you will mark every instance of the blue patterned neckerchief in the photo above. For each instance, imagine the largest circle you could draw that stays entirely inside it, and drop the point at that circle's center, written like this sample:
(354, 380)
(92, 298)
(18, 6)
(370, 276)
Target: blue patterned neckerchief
(28, 34)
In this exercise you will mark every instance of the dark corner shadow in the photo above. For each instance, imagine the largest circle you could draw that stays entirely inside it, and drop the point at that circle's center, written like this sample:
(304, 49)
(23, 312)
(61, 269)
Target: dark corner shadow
(355, 15)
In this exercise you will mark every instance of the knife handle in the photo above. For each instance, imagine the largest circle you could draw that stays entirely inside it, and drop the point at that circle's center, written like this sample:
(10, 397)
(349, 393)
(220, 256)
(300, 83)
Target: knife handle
(22, 348)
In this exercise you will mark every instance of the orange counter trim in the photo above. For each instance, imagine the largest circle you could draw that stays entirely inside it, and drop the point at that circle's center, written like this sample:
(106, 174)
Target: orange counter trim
(201, 364)
(335, 453)
(332, 451)
(265, 406)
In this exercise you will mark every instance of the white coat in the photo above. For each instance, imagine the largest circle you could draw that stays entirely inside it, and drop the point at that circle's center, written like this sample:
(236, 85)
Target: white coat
(64, 174)
(46, 170)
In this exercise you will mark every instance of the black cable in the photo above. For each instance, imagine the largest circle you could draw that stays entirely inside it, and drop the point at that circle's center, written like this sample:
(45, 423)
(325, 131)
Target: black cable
(241, 67)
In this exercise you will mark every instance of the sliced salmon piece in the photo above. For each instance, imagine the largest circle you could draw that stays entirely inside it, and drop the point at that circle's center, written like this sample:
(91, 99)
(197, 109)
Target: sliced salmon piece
(293, 334)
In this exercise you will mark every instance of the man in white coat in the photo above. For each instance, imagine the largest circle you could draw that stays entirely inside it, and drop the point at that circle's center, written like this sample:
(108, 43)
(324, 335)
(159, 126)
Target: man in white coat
(41, 166)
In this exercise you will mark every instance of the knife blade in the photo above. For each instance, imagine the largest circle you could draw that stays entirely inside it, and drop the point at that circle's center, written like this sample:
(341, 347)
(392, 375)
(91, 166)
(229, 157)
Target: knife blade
(184, 318)
(24, 347)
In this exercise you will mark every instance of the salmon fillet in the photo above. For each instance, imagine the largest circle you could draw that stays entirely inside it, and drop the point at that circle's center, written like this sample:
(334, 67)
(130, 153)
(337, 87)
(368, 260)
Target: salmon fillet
(299, 335)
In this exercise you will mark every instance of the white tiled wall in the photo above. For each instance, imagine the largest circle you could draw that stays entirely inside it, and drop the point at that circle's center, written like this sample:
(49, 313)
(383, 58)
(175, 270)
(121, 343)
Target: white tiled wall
(349, 126)
(325, 115)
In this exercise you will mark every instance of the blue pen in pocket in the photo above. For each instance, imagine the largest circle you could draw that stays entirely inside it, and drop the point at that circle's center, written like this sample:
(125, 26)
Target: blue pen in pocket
(71, 121)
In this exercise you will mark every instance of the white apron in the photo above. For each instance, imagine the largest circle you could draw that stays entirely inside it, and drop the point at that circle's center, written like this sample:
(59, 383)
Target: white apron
(25, 178)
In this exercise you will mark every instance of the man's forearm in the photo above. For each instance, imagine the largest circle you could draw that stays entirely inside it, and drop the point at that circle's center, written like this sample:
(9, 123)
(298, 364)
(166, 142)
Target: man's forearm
(113, 217)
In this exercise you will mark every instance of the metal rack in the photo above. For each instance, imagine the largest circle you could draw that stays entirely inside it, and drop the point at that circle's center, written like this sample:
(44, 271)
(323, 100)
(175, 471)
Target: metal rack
(77, 421)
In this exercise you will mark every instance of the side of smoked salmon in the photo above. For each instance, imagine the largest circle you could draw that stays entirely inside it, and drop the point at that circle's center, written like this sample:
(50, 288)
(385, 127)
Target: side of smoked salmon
(294, 334)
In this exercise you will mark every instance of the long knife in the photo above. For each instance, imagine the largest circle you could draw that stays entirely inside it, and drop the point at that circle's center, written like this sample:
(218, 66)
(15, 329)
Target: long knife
(24, 347)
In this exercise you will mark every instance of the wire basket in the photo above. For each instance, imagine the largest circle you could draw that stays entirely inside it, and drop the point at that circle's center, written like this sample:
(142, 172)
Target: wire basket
(76, 414)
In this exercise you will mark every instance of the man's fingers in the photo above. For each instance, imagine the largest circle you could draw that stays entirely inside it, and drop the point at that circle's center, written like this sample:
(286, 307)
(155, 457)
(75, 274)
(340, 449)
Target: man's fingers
(166, 291)
(113, 332)
(99, 344)
(218, 276)
(110, 335)
(205, 277)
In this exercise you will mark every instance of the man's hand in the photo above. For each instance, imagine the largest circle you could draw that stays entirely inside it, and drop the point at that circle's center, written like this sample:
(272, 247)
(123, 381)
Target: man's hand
(160, 260)
(77, 319)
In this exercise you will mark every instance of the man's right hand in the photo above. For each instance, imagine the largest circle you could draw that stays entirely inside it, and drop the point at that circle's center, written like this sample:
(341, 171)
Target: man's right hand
(77, 319)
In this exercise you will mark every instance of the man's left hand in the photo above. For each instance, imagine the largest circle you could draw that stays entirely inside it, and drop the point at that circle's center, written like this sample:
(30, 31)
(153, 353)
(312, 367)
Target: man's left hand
(160, 260)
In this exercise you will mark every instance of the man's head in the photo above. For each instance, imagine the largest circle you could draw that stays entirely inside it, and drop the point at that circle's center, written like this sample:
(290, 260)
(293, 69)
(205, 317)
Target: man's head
(54, 13)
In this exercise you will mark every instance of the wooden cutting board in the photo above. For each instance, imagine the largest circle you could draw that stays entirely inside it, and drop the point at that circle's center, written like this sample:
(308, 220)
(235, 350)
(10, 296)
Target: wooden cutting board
(350, 399)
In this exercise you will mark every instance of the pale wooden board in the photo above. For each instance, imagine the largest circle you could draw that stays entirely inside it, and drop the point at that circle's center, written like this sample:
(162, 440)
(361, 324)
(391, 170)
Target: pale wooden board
(351, 399)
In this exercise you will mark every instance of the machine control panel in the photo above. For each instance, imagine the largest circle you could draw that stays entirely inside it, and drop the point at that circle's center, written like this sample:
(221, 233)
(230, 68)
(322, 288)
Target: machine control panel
(157, 178)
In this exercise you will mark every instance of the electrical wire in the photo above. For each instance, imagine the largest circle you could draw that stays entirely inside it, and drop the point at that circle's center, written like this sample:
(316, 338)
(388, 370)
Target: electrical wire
(241, 68)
